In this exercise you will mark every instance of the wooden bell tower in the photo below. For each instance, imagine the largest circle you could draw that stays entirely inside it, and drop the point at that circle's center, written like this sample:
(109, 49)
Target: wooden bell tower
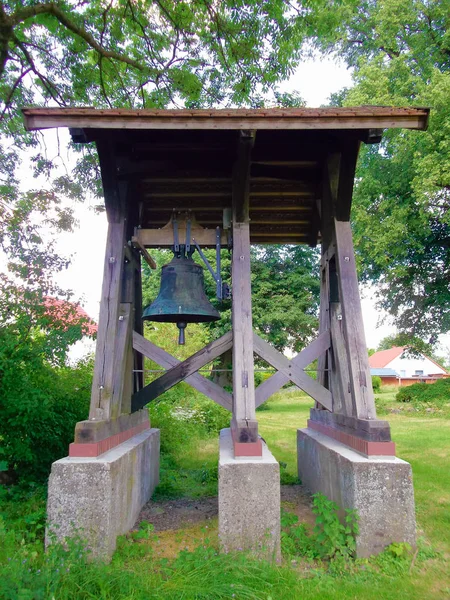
(286, 177)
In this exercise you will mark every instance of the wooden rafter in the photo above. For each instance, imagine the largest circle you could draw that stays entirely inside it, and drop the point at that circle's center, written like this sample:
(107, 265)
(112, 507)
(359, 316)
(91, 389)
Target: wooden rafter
(145, 255)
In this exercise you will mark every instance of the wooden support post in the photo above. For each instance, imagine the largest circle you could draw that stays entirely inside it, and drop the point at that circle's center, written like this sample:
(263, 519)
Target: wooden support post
(324, 325)
(102, 384)
(138, 362)
(352, 324)
(122, 361)
(325, 208)
(343, 401)
(348, 369)
(124, 357)
(244, 426)
(117, 290)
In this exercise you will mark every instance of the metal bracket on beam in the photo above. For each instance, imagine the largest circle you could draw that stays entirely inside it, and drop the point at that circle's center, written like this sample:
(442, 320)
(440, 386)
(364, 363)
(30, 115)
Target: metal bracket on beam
(222, 289)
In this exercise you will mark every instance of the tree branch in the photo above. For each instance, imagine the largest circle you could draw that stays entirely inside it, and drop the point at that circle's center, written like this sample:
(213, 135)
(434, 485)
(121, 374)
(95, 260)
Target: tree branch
(6, 32)
(48, 85)
(12, 91)
(51, 8)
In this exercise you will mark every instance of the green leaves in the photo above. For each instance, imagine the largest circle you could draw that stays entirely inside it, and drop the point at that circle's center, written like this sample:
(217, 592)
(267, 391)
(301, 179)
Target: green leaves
(330, 539)
(399, 50)
(285, 294)
(40, 405)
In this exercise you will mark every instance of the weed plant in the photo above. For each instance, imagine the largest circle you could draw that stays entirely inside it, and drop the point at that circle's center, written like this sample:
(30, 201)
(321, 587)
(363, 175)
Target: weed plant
(330, 539)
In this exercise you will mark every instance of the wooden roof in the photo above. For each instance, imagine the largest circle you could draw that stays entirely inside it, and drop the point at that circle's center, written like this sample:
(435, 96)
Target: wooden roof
(183, 160)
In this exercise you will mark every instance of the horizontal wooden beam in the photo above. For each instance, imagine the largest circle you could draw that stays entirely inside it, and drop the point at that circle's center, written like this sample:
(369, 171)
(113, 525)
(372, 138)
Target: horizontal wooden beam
(167, 361)
(301, 164)
(218, 221)
(187, 194)
(181, 371)
(155, 238)
(279, 234)
(219, 207)
(94, 431)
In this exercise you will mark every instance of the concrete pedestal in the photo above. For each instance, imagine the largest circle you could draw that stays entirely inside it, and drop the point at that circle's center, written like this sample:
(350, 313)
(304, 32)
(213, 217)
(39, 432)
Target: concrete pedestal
(100, 498)
(379, 488)
(249, 501)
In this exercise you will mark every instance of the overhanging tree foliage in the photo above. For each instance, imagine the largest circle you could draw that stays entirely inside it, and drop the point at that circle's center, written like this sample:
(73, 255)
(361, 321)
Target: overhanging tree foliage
(127, 53)
(139, 53)
(400, 50)
(171, 53)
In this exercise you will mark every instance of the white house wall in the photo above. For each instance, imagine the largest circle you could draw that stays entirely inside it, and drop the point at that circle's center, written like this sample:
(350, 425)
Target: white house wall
(407, 367)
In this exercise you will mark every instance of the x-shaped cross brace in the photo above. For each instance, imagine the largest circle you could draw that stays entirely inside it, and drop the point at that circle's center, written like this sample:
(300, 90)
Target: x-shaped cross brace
(292, 370)
(179, 371)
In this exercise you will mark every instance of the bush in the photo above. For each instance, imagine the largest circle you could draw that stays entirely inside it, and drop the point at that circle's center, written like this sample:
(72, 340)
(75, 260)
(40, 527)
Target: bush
(376, 383)
(40, 405)
(183, 413)
(423, 394)
(210, 415)
(186, 419)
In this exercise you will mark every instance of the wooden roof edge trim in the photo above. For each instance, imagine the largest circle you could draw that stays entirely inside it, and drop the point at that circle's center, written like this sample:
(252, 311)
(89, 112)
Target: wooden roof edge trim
(327, 118)
(224, 112)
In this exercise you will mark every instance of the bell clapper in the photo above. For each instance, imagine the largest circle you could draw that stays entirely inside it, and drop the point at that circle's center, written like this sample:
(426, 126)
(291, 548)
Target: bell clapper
(181, 326)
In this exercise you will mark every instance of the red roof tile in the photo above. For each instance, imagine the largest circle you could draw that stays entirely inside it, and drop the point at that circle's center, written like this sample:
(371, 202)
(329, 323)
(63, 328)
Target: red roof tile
(71, 314)
(382, 358)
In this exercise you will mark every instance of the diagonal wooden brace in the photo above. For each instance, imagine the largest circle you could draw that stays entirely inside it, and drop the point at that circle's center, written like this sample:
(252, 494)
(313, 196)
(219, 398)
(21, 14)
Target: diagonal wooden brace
(167, 361)
(181, 370)
(292, 370)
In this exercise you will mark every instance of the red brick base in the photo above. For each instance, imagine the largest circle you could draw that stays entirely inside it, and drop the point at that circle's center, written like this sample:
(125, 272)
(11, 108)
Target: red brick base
(249, 449)
(93, 449)
(354, 442)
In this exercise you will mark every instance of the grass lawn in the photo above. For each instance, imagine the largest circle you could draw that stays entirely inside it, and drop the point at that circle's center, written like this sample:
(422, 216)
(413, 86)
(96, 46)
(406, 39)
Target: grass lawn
(422, 440)
(150, 566)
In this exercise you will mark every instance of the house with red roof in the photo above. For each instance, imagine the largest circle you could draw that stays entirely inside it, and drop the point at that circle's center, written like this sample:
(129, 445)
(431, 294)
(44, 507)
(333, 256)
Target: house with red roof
(398, 366)
(70, 314)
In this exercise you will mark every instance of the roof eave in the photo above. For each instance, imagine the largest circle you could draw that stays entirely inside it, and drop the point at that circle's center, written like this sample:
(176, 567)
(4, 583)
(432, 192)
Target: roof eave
(306, 119)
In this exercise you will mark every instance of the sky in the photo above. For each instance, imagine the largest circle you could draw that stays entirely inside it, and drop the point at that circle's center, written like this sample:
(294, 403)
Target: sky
(315, 80)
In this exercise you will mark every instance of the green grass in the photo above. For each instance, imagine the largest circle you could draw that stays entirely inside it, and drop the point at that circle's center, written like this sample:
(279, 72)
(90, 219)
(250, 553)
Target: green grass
(422, 440)
(287, 412)
(425, 443)
(140, 571)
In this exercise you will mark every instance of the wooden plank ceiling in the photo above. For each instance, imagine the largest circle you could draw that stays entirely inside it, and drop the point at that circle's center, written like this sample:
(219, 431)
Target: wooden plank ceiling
(192, 172)
(189, 169)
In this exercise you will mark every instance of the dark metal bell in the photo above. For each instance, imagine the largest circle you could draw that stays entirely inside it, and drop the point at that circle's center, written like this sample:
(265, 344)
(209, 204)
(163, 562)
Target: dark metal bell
(181, 297)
